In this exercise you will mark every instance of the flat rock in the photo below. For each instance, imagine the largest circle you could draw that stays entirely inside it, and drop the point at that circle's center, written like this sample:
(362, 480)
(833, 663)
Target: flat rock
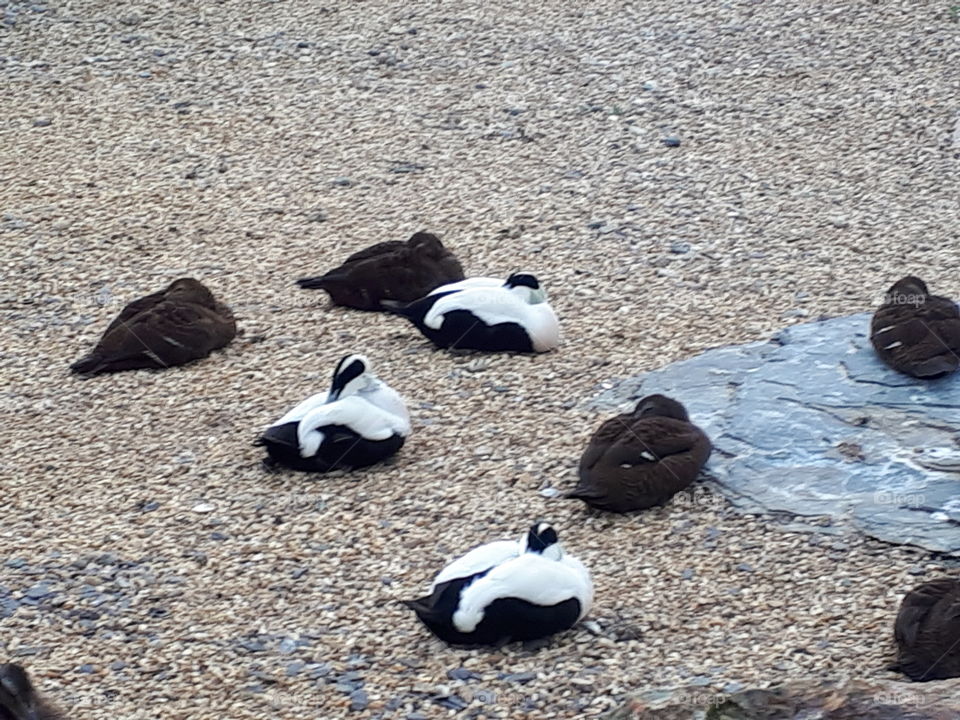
(812, 424)
(808, 698)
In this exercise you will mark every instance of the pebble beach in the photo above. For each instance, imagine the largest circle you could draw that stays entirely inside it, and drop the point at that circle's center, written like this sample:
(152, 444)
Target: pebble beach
(679, 175)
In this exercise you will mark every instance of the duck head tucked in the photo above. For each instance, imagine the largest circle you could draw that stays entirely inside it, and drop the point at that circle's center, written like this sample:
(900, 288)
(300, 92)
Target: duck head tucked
(542, 539)
(351, 375)
(190, 290)
(661, 406)
(527, 286)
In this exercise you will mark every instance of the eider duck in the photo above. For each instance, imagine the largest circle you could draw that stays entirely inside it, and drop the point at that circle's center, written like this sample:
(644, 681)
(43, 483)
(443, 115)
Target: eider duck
(917, 333)
(927, 631)
(394, 270)
(486, 314)
(507, 591)
(640, 459)
(182, 323)
(359, 422)
(19, 700)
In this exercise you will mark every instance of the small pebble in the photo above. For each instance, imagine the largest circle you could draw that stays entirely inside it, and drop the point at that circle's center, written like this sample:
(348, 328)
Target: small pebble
(671, 141)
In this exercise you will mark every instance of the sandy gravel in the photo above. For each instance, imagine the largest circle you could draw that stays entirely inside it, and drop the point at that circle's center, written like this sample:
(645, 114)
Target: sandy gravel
(248, 144)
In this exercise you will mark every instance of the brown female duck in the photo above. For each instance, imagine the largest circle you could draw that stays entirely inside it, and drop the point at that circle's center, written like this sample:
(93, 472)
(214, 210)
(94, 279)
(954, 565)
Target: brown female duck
(915, 332)
(927, 631)
(641, 459)
(394, 270)
(19, 700)
(171, 327)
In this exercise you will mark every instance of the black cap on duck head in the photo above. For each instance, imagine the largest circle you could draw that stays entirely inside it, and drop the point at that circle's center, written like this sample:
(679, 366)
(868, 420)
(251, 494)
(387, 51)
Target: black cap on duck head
(350, 369)
(909, 285)
(18, 700)
(425, 242)
(522, 280)
(661, 406)
(190, 290)
(540, 537)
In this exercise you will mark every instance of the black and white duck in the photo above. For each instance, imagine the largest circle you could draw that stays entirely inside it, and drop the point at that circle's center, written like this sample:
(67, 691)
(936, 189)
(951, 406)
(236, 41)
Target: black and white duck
(359, 422)
(643, 458)
(486, 314)
(507, 591)
(394, 271)
(175, 326)
(19, 700)
(917, 333)
(927, 631)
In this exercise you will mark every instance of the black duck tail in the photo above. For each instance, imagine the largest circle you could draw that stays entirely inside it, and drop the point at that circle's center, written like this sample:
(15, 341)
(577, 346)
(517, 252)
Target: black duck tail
(424, 609)
(320, 282)
(934, 367)
(88, 364)
(396, 307)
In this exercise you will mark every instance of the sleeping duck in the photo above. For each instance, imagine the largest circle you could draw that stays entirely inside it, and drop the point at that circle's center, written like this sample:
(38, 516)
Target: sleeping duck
(182, 323)
(927, 631)
(394, 270)
(917, 333)
(18, 698)
(359, 422)
(486, 314)
(640, 459)
(506, 591)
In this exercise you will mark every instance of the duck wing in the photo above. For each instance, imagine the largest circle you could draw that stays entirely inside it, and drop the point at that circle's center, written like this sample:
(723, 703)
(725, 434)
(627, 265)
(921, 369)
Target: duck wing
(641, 463)
(529, 577)
(921, 340)
(927, 630)
(164, 334)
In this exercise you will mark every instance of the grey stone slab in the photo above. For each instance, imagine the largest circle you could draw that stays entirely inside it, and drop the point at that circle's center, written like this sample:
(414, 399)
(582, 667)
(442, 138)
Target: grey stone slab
(812, 424)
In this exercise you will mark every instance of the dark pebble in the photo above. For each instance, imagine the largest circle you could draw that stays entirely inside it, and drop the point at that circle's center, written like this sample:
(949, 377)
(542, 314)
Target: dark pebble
(294, 668)
(342, 182)
(680, 248)
(16, 563)
(461, 673)
(451, 702)
(42, 122)
(87, 669)
(359, 700)
(916, 570)
(216, 535)
(251, 645)
(687, 574)
(37, 592)
(520, 677)
(117, 665)
(745, 567)
(298, 573)
(287, 646)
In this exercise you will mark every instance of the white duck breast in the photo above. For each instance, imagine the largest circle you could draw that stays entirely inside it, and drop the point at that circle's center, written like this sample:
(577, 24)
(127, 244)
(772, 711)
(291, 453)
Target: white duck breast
(487, 314)
(359, 422)
(531, 578)
(507, 590)
(356, 413)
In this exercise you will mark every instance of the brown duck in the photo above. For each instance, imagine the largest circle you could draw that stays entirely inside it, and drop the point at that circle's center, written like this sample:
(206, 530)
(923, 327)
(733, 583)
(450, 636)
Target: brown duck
(641, 459)
(18, 698)
(394, 270)
(915, 332)
(171, 327)
(927, 631)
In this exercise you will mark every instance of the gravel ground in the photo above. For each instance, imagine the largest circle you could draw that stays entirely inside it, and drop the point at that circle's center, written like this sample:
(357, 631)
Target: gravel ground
(154, 569)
